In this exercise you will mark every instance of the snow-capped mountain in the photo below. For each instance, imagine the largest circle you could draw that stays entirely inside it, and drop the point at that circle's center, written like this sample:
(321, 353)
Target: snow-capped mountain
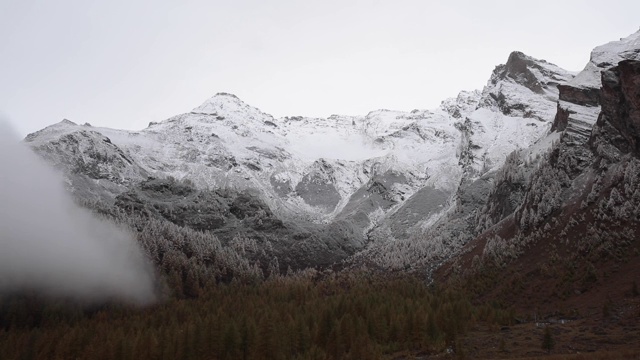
(391, 172)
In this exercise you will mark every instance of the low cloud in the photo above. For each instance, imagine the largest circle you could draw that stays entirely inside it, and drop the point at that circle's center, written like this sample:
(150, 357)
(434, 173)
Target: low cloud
(51, 245)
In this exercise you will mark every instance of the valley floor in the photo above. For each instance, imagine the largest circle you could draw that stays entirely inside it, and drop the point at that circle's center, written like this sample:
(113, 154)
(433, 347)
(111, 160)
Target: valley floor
(590, 338)
(614, 335)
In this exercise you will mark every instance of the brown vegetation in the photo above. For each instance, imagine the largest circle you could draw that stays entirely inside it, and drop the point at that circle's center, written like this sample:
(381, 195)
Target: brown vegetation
(338, 317)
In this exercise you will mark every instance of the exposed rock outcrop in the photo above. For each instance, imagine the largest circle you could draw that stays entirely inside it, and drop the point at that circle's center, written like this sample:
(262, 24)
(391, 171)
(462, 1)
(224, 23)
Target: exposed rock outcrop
(526, 71)
(619, 121)
(582, 96)
(317, 186)
(579, 100)
(577, 109)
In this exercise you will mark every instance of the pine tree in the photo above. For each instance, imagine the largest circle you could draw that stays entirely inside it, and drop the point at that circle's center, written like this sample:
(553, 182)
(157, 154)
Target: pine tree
(547, 340)
(248, 335)
(231, 341)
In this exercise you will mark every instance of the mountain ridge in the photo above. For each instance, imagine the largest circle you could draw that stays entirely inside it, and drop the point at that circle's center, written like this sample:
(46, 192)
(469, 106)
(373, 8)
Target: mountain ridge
(386, 176)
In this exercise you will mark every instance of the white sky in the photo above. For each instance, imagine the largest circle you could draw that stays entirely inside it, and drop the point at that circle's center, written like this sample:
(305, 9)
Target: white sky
(124, 63)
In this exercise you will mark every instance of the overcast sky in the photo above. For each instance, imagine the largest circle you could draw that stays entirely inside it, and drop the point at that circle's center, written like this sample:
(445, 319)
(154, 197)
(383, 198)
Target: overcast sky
(124, 63)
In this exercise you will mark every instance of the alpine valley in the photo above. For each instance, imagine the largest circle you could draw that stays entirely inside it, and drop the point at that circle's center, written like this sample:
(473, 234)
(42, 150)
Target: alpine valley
(526, 192)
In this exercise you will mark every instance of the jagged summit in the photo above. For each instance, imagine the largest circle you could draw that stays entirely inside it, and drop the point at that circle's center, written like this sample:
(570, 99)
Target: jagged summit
(227, 94)
(67, 121)
(218, 102)
(525, 86)
(228, 105)
(536, 75)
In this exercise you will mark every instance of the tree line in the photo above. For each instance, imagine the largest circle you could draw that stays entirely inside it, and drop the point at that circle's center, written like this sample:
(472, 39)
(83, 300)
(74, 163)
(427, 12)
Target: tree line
(301, 316)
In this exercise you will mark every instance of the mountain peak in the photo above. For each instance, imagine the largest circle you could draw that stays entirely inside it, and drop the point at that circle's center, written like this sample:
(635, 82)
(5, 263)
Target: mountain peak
(519, 63)
(67, 122)
(61, 127)
(228, 106)
(220, 103)
(525, 86)
(529, 72)
(226, 95)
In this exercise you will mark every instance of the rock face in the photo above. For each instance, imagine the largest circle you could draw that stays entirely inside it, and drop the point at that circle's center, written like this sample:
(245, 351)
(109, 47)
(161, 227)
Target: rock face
(579, 104)
(619, 121)
(317, 186)
(570, 96)
(576, 112)
(580, 96)
(536, 75)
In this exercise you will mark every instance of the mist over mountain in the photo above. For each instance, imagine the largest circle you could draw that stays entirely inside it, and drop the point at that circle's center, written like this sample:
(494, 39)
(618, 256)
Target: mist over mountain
(51, 245)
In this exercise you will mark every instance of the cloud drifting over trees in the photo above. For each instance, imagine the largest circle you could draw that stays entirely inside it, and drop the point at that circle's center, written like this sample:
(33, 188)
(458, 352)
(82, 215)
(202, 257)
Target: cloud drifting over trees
(51, 245)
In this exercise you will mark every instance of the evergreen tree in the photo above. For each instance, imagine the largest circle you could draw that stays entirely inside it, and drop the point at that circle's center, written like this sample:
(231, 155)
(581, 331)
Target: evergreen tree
(547, 340)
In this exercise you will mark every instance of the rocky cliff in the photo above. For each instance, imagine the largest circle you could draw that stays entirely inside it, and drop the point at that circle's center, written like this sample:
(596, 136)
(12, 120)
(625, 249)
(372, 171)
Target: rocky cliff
(619, 122)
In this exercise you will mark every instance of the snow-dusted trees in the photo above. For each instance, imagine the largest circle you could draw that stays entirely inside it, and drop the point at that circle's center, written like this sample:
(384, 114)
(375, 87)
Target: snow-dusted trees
(545, 186)
(186, 259)
(419, 250)
(190, 258)
(513, 169)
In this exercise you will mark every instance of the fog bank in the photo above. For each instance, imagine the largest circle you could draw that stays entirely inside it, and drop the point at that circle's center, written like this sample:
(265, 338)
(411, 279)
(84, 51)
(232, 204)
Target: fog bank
(51, 245)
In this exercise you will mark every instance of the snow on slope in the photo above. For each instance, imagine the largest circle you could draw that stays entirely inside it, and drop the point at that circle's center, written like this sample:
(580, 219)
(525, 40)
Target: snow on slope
(312, 168)
(94, 166)
(525, 87)
(606, 56)
(498, 135)
(515, 109)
